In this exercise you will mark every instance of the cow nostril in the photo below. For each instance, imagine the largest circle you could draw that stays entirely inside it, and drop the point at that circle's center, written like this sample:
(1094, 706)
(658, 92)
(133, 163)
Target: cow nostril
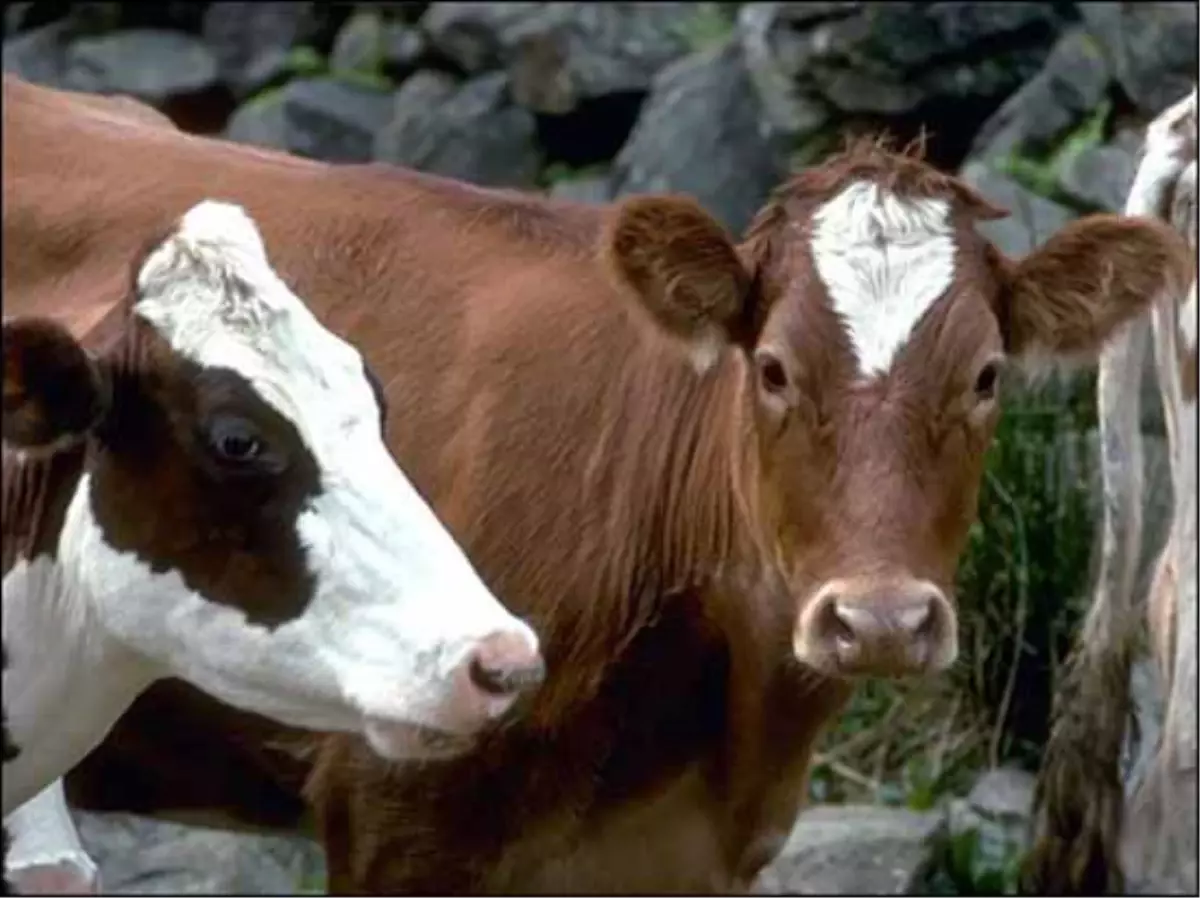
(505, 681)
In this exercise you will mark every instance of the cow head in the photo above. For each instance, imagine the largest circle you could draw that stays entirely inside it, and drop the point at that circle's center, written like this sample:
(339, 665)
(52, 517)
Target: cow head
(871, 327)
(237, 517)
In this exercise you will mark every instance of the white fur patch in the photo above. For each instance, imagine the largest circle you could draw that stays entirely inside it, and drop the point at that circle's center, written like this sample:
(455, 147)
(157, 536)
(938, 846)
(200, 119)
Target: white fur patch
(43, 834)
(884, 261)
(1188, 314)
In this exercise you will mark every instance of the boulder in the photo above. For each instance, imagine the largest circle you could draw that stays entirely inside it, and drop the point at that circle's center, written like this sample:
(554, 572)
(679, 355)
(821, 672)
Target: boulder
(139, 856)
(1065, 92)
(1151, 47)
(892, 58)
(1031, 220)
(154, 65)
(852, 850)
(368, 42)
(1098, 178)
(469, 131)
(558, 55)
(38, 55)
(471, 35)
(774, 57)
(251, 41)
(705, 104)
(321, 118)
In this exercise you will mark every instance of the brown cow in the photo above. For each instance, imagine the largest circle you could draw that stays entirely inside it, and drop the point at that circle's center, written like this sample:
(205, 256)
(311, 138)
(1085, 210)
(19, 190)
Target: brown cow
(723, 481)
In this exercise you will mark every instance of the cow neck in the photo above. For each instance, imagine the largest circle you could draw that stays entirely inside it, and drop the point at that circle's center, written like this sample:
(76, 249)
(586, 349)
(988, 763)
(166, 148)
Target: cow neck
(67, 681)
(679, 512)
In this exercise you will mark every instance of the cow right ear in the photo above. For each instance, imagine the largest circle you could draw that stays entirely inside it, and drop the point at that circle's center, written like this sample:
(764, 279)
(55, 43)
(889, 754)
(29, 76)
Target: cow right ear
(683, 269)
(54, 392)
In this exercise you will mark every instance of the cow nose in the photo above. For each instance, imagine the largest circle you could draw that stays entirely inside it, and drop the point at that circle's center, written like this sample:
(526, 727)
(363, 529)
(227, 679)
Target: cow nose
(505, 664)
(889, 630)
(495, 673)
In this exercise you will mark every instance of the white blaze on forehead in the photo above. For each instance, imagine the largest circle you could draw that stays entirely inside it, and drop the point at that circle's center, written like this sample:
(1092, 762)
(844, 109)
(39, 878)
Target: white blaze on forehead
(884, 260)
(211, 292)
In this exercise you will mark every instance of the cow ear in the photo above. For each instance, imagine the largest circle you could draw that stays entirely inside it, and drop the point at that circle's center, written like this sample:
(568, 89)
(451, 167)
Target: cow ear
(53, 391)
(684, 270)
(1065, 300)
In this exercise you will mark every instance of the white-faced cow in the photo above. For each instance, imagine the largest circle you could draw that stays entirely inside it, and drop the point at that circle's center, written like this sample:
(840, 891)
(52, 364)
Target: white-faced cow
(725, 481)
(211, 498)
(1084, 826)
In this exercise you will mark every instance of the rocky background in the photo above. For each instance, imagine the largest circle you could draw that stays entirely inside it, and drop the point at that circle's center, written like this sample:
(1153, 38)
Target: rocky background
(1039, 104)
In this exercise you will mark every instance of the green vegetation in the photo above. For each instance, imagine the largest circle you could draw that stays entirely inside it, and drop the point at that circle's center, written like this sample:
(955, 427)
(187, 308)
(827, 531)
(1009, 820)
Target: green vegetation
(969, 864)
(558, 172)
(710, 25)
(303, 61)
(1040, 172)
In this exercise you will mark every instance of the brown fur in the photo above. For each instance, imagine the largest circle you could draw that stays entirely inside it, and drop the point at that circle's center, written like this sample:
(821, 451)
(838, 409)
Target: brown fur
(661, 528)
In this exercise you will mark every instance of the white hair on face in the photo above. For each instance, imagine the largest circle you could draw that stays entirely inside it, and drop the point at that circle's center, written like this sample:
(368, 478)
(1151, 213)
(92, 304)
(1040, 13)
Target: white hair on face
(884, 260)
(210, 290)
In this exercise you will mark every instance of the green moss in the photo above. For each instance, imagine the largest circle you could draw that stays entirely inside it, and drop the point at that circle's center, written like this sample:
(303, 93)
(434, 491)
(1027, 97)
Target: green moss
(709, 25)
(304, 61)
(558, 172)
(1040, 173)
(369, 80)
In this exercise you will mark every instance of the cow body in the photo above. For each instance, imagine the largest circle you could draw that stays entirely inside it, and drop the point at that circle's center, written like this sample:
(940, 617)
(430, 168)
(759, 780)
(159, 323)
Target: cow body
(1087, 835)
(721, 481)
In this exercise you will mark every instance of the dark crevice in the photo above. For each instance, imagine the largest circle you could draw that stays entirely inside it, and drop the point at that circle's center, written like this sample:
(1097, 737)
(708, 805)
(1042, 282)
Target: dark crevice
(593, 132)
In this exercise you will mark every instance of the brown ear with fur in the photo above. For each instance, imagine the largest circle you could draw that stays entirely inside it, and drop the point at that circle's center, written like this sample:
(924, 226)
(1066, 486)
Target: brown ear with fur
(1067, 298)
(682, 266)
(53, 392)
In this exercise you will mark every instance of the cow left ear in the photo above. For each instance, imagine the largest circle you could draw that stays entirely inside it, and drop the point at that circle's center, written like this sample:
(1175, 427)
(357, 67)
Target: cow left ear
(1066, 299)
(684, 270)
(54, 392)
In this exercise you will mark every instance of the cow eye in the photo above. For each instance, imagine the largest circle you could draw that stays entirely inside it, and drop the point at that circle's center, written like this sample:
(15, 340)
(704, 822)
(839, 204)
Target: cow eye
(771, 373)
(235, 441)
(987, 382)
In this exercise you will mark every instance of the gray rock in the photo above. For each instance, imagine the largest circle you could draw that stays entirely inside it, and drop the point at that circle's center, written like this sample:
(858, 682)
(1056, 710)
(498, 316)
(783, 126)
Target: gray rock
(14, 17)
(1151, 46)
(334, 120)
(1032, 219)
(470, 131)
(998, 809)
(369, 43)
(1068, 89)
(559, 54)
(893, 57)
(1098, 178)
(38, 55)
(595, 188)
(141, 856)
(251, 40)
(570, 52)
(150, 64)
(768, 39)
(471, 34)
(321, 118)
(852, 850)
(260, 121)
(706, 104)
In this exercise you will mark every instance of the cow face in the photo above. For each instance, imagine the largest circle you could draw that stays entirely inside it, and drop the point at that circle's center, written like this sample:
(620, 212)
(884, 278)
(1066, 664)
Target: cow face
(873, 326)
(238, 518)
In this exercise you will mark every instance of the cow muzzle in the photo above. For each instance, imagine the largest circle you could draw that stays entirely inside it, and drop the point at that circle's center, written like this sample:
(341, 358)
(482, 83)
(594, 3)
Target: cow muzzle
(497, 671)
(872, 627)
